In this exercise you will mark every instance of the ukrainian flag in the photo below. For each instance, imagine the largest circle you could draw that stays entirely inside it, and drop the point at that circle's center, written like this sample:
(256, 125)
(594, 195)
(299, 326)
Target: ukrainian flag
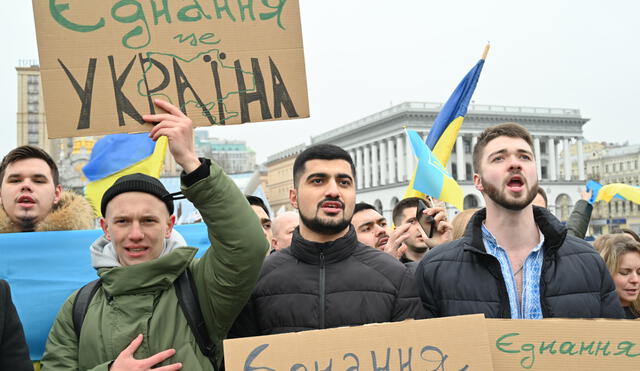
(444, 131)
(117, 155)
(619, 190)
(431, 177)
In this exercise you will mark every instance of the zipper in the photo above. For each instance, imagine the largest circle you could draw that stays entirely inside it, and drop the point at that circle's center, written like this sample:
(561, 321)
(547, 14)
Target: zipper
(322, 289)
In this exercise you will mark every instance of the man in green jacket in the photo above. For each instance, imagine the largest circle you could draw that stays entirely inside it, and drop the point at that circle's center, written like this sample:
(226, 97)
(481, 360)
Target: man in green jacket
(134, 321)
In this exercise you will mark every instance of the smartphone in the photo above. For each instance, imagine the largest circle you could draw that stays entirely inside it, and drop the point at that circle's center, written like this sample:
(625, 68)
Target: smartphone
(427, 222)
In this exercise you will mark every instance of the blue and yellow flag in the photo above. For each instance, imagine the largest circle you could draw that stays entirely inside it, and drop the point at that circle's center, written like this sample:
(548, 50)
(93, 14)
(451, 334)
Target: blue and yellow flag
(624, 191)
(444, 131)
(117, 155)
(431, 177)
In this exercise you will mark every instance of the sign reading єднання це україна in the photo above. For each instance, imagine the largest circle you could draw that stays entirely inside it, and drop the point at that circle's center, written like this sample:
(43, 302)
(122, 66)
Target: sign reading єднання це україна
(221, 61)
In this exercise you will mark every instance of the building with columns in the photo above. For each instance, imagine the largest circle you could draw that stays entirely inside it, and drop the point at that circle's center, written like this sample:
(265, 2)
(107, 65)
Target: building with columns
(385, 161)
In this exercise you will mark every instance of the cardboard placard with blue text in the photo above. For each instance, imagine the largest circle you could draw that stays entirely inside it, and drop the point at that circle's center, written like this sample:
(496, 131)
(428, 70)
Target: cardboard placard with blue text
(564, 344)
(222, 62)
(454, 343)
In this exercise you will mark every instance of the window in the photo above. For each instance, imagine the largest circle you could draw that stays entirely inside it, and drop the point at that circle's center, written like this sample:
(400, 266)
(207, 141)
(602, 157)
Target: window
(467, 145)
(543, 148)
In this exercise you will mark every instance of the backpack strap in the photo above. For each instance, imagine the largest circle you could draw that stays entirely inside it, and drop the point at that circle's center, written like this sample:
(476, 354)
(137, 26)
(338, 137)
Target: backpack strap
(188, 300)
(81, 303)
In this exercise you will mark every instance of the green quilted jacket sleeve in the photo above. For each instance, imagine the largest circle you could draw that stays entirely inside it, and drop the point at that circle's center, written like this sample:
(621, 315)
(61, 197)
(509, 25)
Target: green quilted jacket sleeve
(228, 271)
(578, 222)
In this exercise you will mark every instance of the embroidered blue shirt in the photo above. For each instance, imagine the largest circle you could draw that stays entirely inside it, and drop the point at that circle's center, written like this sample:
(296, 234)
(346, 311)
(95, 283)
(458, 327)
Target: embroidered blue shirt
(529, 307)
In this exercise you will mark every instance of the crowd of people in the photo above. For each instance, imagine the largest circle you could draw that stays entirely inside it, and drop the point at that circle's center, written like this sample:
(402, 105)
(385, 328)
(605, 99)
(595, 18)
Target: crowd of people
(332, 262)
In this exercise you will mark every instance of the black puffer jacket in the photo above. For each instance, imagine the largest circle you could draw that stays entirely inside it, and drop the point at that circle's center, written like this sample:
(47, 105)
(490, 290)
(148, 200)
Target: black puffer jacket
(323, 285)
(460, 277)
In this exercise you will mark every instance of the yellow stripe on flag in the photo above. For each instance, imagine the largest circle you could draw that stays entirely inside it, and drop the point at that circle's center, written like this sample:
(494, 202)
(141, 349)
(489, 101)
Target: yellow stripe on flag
(444, 146)
(151, 166)
(630, 193)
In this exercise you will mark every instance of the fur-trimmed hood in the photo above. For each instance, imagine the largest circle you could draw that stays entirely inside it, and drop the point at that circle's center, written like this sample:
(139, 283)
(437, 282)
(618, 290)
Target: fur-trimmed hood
(73, 212)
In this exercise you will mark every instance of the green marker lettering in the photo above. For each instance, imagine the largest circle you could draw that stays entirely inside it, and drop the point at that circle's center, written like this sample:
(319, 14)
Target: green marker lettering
(276, 13)
(500, 344)
(567, 348)
(224, 8)
(162, 12)
(528, 361)
(183, 13)
(588, 348)
(625, 348)
(138, 15)
(548, 347)
(56, 12)
(244, 7)
(604, 348)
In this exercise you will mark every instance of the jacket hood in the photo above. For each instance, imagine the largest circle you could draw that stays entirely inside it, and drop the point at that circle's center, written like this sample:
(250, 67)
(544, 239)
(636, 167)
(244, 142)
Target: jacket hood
(71, 213)
(552, 229)
(103, 254)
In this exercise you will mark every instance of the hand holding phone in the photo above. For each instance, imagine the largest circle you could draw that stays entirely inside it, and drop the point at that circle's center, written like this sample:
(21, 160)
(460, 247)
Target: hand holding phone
(427, 222)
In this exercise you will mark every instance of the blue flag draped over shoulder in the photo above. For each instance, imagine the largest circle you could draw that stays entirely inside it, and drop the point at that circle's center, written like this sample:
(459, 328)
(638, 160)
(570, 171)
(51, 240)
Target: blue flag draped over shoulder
(444, 131)
(44, 268)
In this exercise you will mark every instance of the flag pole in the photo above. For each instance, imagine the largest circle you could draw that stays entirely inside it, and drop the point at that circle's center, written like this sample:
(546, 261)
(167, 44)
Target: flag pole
(486, 51)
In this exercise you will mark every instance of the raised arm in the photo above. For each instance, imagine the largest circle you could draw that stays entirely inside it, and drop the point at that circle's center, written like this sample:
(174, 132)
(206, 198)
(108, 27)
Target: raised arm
(228, 271)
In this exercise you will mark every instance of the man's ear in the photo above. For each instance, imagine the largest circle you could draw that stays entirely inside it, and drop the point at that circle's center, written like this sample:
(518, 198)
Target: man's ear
(57, 194)
(293, 198)
(477, 182)
(103, 225)
(170, 223)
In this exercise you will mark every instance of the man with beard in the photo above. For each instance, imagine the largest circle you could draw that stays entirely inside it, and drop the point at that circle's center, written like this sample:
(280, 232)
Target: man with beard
(326, 278)
(417, 243)
(515, 260)
(32, 199)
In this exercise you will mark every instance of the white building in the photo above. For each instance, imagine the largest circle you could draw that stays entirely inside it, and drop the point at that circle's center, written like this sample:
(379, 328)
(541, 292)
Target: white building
(385, 161)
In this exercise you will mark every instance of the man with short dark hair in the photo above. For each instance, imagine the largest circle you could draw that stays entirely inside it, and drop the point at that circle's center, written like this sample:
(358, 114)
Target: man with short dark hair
(32, 199)
(371, 226)
(326, 278)
(417, 242)
(259, 207)
(135, 321)
(515, 260)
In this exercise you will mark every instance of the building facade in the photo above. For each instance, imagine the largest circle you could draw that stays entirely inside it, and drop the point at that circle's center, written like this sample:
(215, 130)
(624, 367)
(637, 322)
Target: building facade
(615, 165)
(280, 178)
(385, 161)
(31, 121)
(234, 156)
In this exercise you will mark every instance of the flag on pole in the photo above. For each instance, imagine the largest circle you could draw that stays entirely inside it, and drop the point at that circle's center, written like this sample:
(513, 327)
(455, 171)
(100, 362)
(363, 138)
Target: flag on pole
(444, 131)
(117, 155)
(431, 177)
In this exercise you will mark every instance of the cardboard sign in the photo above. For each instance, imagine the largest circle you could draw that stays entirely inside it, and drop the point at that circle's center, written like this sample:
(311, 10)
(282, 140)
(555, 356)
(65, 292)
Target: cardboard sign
(564, 344)
(221, 61)
(455, 343)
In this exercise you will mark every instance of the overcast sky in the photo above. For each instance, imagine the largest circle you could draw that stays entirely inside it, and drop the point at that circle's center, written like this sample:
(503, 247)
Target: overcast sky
(362, 56)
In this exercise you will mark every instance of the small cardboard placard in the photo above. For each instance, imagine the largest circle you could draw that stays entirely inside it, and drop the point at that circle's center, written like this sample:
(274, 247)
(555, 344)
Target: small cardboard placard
(564, 344)
(221, 61)
(454, 343)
